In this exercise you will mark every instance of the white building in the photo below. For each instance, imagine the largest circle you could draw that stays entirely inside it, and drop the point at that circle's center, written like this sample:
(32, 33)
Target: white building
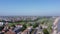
(1, 23)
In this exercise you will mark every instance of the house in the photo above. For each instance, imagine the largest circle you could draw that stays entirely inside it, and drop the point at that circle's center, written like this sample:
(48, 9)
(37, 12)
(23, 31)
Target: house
(30, 28)
(6, 23)
(44, 26)
(18, 28)
(27, 31)
(58, 32)
(19, 25)
(1, 23)
(10, 32)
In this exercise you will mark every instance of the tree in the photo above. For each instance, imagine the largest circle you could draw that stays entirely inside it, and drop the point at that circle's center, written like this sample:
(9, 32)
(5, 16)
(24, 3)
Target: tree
(30, 24)
(13, 25)
(24, 27)
(42, 22)
(1, 28)
(35, 25)
(45, 31)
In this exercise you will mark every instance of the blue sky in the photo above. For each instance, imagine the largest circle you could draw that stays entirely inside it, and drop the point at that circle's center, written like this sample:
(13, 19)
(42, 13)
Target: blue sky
(30, 7)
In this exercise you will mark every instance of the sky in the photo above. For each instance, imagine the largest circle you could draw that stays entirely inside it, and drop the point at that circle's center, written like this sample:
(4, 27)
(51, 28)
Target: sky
(30, 7)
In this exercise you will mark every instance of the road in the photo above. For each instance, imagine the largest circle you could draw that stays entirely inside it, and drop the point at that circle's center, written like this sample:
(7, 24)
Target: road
(58, 27)
(35, 31)
(55, 24)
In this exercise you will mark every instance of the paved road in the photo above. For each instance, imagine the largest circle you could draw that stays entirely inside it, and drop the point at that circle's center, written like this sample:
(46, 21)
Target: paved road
(35, 31)
(55, 25)
(58, 26)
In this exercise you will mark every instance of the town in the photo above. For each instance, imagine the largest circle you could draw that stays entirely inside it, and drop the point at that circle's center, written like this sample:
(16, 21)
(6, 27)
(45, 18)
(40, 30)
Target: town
(26, 24)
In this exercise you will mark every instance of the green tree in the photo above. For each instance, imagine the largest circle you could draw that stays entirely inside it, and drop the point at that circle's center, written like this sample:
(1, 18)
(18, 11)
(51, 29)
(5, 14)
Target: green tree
(24, 27)
(35, 25)
(45, 31)
(42, 22)
(1, 28)
(13, 25)
(30, 24)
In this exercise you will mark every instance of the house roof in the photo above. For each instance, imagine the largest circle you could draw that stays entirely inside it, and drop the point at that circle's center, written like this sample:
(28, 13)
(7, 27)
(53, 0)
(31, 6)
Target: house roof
(24, 31)
(10, 32)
